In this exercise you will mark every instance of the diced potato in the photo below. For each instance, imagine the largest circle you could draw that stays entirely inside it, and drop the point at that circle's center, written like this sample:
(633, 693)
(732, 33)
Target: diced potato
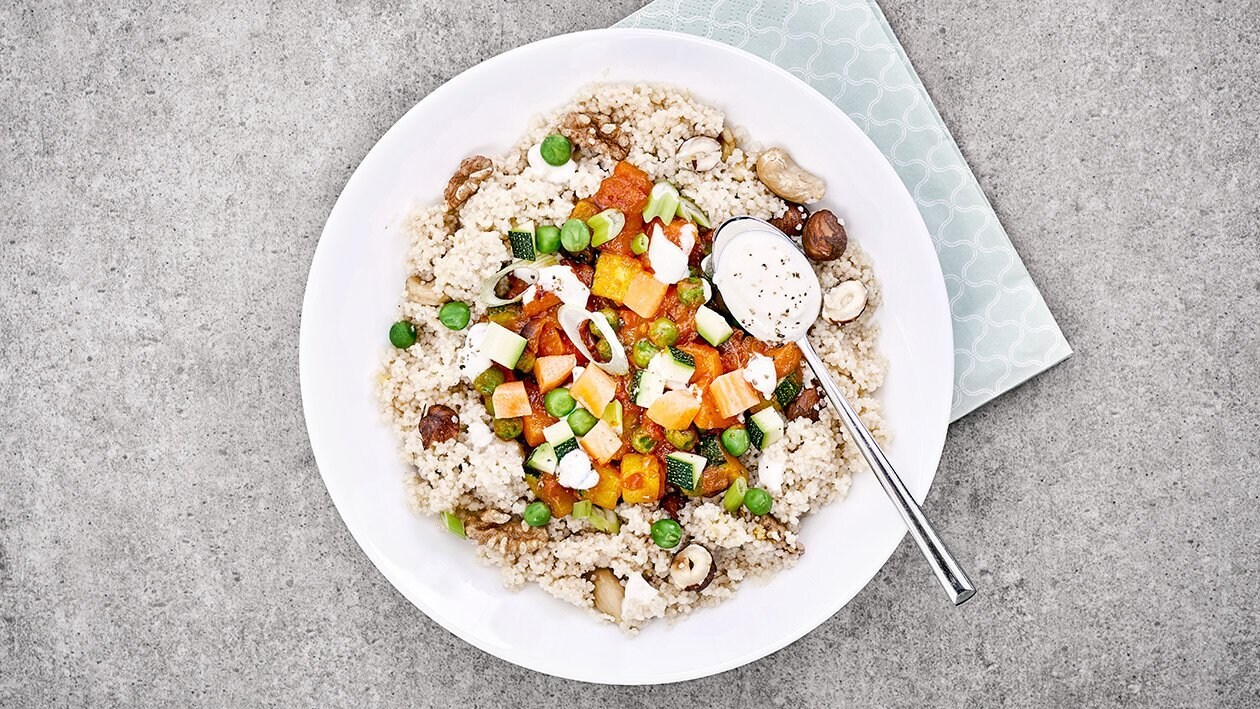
(601, 442)
(733, 394)
(675, 410)
(511, 400)
(613, 274)
(553, 370)
(645, 295)
(594, 389)
(641, 478)
(608, 490)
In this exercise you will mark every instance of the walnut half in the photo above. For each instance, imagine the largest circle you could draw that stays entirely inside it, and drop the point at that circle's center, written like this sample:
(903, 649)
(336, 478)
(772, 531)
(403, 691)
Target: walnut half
(472, 171)
(596, 133)
(510, 537)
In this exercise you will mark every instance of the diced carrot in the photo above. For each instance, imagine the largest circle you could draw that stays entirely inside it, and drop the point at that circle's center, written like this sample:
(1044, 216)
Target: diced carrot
(584, 209)
(733, 394)
(532, 426)
(552, 370)
(708, 362)
(644, 295)
(608, 490)
(601, 442)
(594, 389)
(613, 274)
(558, 497)
(543, 301)
(511, 400)
(675, 410)
(642, 478)
(709, 417)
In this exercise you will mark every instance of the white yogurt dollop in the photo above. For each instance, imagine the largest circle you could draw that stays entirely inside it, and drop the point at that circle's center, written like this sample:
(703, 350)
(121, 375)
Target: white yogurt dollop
(564, 283)
(768, 285)
(575, 471)
(547, 171)
(669, 262)
(759, 372)
(471, 361)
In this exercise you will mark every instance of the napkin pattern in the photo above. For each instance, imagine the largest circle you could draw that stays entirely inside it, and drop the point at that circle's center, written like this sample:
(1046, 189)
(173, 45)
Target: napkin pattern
(1003, 332)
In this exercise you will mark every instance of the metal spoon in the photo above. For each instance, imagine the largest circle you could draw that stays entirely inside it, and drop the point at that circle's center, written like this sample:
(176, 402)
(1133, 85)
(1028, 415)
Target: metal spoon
(948, 571)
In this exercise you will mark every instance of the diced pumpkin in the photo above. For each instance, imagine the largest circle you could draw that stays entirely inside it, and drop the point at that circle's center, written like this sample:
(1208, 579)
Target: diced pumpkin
(511, 400)
(787, 359)
(551, 371)
(532, 426)
(613, 274)
(593, 389)
(675, 410)
(608, 490)
(542, 302)
(584, 209)
(733, 394)
(626, 189)
(709, 417)
(642, 478)
(601, 442)
(644, 295)
(716, 478)
(550, 342)
(558, 497)
(708, 362)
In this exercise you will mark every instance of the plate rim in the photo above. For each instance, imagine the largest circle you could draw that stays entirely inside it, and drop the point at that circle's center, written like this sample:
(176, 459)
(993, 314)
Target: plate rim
(809, 623)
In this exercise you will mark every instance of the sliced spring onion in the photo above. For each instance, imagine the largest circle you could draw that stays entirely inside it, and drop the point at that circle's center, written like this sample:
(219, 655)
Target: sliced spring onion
(571, 319)
(662, 202)
(605, 226)
(604, 520)
(581, 509)
(689, 211)
(528, 273)
(454, 524)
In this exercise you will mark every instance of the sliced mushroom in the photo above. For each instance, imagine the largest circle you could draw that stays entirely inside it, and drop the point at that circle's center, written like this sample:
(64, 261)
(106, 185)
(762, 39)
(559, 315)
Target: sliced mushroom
(792, 222)
(692, 568)
(700, 153)
(609, 593)
(777, 170)
(845, 302)
(823, 237)
(440, 423)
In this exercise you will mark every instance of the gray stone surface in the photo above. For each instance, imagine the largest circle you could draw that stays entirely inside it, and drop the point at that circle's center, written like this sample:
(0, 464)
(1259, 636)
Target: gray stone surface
(164, 536)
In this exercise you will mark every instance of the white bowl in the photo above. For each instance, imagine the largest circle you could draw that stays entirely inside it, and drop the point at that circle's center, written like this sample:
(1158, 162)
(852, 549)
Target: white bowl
(357, 275)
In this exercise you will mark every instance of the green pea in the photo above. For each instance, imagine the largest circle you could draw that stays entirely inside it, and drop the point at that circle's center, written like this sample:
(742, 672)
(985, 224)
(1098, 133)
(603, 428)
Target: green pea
(666, 533)
(454, 315)
(556, 149)
(735, 440)
(525, 363)
(691, 291)
(643, 353)
(663, 332)
(614, 320)
(537, 514)
(758, 501)
(507, 429)
(582, 421)
(642, 441)
(603, 350)
(575, 235)
(488, 381)
(682, 440)
(639, 245)
(547, 239)
(559, 403)
(402, 334)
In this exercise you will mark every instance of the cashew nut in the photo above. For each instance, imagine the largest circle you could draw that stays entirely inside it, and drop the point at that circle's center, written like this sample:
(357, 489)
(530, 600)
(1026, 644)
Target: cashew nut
(700, 153)
(777, 170)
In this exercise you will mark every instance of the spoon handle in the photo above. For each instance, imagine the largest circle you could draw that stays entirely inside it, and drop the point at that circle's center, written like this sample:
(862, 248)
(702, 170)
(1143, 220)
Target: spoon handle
(948, 571)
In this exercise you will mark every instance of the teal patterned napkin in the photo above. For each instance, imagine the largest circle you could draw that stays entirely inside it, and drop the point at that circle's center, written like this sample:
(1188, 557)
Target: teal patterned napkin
(1003, 332)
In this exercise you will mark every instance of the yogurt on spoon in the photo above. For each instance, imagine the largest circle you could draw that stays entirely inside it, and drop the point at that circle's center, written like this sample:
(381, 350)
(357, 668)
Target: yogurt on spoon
(768, 285)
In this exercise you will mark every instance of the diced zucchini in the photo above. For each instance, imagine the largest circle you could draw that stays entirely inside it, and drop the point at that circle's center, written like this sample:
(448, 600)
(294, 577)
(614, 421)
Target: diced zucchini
(647, 387)
(712, 326)
(711, 449)
(765, 427)
(558, 432)
(787, 391)
(564, 448)
(684, 469)
(673, 365)
(502, 345)
(543, 459)
(521, 238)
(605, 226)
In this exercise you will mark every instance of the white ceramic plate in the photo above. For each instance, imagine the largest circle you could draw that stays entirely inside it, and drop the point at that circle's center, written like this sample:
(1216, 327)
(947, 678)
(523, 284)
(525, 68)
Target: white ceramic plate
(357, 276)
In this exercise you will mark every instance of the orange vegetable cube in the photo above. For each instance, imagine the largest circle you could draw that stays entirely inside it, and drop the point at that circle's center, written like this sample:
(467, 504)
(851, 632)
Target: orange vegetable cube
(675, 410)
(584, 209)
(644, 295)
(733, 394)
(613, 274)
(601, 442)
(551, 371)
(709, 418)
(594, 389)
(511, 400)
(608, 490)
(641, 478)
(558, 497)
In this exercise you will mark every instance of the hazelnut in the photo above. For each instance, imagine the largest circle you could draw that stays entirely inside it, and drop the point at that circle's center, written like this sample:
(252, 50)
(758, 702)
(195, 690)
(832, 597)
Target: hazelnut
(793, 220)
(700, 153)
(823, 237)
(692, 568)
(845, 302)
(440, 423)
(805, 405)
